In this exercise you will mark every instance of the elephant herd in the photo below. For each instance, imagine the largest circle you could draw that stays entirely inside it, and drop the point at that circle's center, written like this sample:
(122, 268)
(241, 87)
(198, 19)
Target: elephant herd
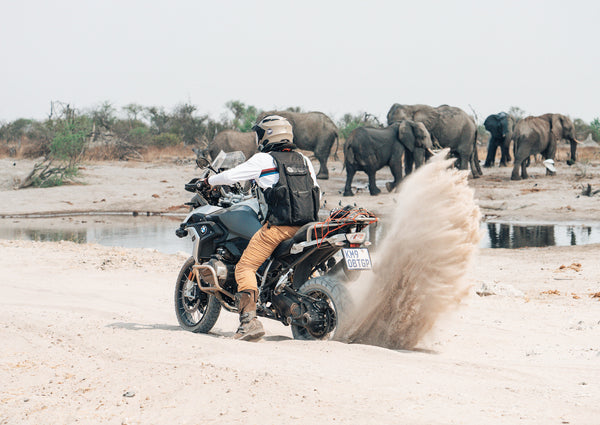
(531, 136)
(413, 132)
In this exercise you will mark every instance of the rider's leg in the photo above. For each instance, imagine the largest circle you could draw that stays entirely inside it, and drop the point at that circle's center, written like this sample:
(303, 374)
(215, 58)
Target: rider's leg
(260, 247)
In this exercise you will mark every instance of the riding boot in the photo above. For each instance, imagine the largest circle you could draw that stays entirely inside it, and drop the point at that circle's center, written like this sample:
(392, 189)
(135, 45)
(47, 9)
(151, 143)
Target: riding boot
(250, 328)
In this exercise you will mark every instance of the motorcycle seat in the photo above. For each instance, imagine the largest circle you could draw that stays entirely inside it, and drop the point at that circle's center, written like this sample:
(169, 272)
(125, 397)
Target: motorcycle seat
(305, 233)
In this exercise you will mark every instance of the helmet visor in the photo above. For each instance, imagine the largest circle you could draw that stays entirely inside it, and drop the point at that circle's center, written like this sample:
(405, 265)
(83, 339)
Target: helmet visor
(260, 132)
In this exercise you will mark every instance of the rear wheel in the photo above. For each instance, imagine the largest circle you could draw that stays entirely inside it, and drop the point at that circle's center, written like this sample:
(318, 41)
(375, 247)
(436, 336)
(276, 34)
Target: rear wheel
(336, 303)
(196, 310)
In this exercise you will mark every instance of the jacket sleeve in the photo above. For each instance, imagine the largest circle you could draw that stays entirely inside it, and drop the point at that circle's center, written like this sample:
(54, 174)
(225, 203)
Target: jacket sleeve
(248, 170)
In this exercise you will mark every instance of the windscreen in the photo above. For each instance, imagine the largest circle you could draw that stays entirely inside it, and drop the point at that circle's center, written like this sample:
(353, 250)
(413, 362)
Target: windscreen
(227, 160)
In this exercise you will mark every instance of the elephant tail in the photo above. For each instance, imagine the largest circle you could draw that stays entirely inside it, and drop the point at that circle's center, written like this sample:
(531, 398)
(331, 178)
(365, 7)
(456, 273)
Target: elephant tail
(476, 155)
(337, 144)
(348, 153)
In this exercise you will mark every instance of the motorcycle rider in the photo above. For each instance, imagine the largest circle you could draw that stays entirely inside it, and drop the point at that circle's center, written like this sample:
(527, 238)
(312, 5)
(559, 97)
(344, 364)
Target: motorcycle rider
(289, 184)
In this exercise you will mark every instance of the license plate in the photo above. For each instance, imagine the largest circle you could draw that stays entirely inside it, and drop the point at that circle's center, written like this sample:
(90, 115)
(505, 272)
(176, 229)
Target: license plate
(357, 258)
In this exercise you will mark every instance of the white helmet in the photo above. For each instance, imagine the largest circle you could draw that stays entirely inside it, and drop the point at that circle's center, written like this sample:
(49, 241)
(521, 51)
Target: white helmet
(272, 130)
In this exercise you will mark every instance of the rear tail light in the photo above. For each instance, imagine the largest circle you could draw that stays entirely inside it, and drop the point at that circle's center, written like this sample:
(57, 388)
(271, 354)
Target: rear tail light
(356, 238)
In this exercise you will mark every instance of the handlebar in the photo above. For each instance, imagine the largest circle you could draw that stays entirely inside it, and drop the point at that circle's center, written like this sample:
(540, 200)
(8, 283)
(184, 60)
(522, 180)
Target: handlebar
(192, 185)
(217, 195)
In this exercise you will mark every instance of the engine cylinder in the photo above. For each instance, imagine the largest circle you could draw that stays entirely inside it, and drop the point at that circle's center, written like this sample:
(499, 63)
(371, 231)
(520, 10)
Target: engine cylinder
(220, 269)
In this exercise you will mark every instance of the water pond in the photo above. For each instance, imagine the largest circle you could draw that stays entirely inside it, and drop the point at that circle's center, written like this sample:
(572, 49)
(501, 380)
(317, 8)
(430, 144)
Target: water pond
(159, 232)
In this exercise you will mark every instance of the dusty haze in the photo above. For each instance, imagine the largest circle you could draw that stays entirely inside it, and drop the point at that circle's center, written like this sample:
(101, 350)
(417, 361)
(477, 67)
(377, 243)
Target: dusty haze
(420, 267)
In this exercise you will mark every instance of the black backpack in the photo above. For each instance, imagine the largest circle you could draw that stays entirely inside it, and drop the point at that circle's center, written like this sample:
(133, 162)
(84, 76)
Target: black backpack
(294, 199)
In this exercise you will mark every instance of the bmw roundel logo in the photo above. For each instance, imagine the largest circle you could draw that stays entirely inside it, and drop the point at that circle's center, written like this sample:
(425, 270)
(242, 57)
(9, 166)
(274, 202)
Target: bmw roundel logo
(203, 229)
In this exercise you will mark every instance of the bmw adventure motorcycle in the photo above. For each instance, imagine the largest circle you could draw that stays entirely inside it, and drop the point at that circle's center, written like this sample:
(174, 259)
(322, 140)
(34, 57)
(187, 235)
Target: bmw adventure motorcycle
(298, 284)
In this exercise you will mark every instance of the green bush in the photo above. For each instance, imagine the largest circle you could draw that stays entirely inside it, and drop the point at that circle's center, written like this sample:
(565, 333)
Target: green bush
(517, 113)
(139, 136)
(166, 139)
(244, 116)
(482, 134)
(189, 127)
(15, 130)
(350, 122)
(103, 116)
(58, 179)
(69, 142)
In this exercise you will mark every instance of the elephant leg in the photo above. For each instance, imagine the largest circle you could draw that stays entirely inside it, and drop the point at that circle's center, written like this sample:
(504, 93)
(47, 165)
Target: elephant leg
(491, 153)
(524, 174)
(475, 169)
(573, 153)
(373, 189)
(463, 161)
(515, 172)
(395, 165)
(408, 163)
(323, 173)
(350, 171)
(505, 155)
(475, 161)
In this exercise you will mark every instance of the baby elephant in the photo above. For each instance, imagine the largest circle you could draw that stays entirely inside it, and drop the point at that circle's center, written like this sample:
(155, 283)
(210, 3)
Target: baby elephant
(370, 149)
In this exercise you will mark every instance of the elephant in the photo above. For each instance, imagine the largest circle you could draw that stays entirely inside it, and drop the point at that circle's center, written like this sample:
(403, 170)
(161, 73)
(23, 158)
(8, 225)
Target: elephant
(369, 149)
(230, 141)
(313, 131)
(448, 126)
(541, 134)
(501, 128)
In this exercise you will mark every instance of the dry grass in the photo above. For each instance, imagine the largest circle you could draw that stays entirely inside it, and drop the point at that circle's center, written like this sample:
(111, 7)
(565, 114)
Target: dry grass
(31, 150)
(4, 151)
(155, 153)
(563, 153)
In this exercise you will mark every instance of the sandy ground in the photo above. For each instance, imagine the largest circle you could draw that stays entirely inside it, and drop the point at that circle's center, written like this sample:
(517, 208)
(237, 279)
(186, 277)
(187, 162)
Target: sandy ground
(89, 333)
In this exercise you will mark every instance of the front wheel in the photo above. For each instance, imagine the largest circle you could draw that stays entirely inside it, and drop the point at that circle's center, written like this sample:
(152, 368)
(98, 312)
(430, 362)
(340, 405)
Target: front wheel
(337, 305)
(196, 310)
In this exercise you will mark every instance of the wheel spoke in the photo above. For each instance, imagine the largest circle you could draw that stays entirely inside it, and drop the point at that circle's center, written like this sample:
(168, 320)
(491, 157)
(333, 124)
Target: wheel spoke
(196, 310)
(193, 301)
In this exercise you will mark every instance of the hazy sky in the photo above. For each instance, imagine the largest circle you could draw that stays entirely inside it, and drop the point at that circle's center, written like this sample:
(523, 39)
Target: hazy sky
(332, 56)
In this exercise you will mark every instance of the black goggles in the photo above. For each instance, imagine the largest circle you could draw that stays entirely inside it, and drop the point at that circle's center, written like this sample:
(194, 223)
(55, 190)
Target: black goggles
(260, 132)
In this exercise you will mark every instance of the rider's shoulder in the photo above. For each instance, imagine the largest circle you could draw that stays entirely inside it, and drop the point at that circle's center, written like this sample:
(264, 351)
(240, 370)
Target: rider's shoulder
(261, 158)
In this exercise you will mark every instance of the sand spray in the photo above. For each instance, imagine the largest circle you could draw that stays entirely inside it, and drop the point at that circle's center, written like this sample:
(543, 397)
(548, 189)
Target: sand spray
(420, 266)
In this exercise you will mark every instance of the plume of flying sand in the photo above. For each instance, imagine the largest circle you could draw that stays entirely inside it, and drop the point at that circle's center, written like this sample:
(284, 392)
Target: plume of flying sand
(420, 266)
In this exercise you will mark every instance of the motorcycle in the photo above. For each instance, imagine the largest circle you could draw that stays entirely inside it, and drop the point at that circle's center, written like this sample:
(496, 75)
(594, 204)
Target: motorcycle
(298, 284)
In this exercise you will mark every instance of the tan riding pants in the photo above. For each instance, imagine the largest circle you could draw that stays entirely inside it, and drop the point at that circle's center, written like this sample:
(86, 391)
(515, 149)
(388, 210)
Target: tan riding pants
(260, 247)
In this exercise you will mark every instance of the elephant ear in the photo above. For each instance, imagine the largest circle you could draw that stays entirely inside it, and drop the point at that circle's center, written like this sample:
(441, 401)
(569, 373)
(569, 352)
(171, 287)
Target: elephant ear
(422, 136)
(556, 127)
(405, 135)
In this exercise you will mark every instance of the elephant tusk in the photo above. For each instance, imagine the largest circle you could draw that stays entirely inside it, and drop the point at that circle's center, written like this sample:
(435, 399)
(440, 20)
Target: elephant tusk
(577, 141)
(430, 151)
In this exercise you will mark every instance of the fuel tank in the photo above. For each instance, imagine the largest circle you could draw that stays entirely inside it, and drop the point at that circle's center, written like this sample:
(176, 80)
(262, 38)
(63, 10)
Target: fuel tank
(241, 220)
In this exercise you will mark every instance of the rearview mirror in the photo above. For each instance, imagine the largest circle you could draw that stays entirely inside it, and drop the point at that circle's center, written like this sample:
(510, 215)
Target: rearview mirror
(202, 162)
